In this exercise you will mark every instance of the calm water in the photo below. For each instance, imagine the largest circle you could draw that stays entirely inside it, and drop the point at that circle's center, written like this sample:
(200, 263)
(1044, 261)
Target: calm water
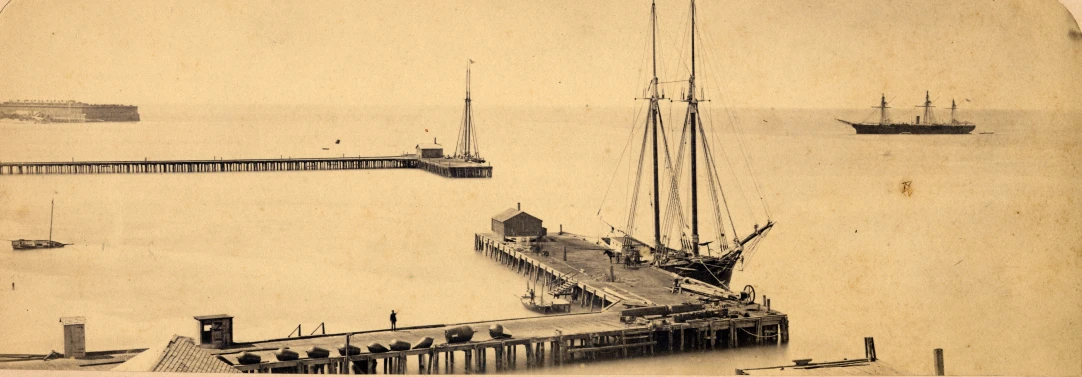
(981, 260)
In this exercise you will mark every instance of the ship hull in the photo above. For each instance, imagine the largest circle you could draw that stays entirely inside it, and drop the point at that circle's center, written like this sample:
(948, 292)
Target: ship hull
(709, 272)
(35, 244)
(893, 129)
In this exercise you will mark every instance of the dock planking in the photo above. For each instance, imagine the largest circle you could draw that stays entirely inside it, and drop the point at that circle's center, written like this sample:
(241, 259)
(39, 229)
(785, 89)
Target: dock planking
(445, 167)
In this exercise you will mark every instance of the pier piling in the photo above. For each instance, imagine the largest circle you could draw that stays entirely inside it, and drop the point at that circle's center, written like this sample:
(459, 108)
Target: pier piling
(450, 168)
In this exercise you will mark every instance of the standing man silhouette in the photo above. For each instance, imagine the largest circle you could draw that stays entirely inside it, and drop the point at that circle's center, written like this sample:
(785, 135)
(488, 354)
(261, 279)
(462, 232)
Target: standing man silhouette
(394, 319)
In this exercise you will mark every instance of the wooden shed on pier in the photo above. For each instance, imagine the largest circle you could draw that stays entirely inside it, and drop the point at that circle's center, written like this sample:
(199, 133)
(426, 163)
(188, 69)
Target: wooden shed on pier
(514, 223)
(429, 150)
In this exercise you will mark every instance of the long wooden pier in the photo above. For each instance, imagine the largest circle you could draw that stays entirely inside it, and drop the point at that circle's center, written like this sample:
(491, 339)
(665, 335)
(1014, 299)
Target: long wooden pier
(446, 167)
(616, 319)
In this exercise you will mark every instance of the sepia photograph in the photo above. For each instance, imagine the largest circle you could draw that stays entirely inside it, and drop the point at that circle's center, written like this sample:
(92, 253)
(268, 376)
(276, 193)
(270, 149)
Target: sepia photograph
(546, 187)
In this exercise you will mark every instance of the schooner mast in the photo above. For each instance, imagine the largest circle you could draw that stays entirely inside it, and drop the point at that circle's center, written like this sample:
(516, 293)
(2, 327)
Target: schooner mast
(697, 136)
(654, 114)
(466, 148)
(651, 131)
(687, 261)
(692, 119)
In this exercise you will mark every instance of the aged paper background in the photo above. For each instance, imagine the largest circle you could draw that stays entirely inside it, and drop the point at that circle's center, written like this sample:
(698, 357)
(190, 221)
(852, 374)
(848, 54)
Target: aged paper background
(982, 259)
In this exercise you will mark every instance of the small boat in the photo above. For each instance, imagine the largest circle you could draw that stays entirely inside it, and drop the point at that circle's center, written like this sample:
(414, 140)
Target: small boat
(425, 342)
(529, 300)
(496, 332)
(535, 306)
(375, 347)
(353, 350)
(318, 353)
(460, 334)
(21, 244)
(285, 354)
(248, 358)
(399, 345)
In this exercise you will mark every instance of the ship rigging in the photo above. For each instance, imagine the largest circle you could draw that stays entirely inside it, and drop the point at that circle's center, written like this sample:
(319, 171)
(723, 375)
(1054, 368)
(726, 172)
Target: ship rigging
(467, 148)
(695, 151)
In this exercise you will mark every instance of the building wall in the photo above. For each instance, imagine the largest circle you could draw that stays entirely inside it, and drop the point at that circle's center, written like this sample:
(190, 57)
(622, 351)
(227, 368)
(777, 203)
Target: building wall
(61, 112)
(430, 152)
(520, 226)
(112, 113)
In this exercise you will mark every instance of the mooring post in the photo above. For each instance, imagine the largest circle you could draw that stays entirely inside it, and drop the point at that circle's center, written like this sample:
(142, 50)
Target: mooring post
(565, 253)
(939, 371)
(869, 348)
(612, 273)
(345, 363)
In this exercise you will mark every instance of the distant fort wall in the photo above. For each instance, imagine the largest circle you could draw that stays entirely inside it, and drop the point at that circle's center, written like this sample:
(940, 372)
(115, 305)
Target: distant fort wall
(68, 111)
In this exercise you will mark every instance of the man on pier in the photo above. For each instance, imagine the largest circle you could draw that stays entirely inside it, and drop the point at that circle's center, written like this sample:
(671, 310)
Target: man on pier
(394, 319)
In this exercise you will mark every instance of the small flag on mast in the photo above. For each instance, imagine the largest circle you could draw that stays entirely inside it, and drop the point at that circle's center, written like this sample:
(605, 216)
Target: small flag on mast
(471, 61)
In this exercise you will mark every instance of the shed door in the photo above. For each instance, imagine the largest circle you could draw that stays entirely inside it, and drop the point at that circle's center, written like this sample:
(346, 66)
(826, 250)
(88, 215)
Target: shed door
(76, 341)
(216, 331)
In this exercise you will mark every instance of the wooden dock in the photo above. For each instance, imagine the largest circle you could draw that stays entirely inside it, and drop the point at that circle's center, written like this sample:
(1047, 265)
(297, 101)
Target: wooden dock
(629, 316)
(446, 167)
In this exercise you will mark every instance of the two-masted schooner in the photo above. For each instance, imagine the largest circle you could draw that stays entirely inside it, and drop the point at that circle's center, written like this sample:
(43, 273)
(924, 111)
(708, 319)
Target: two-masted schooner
(688, 259)
(22, 244)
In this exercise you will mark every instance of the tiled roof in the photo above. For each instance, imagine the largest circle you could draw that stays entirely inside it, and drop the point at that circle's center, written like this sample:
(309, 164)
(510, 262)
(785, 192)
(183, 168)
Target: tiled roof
(182, 355)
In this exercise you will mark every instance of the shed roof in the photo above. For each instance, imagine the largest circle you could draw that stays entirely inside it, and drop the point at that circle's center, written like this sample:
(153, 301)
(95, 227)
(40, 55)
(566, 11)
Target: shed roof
(180, 355)
(509, 213)
(428, 146)
(215, 316)
(72, 320)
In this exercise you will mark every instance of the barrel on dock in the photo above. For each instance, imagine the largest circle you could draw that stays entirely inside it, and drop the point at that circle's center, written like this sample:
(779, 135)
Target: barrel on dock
(285, 354)
(425, 342)
(376, 347)
(460, 334)
(318, 353)
(496, 331)
(399, 345)
(353, 350)
(247, 358)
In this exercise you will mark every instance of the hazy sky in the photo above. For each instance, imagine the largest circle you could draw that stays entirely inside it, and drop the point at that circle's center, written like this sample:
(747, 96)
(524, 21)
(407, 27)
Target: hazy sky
(822, 53)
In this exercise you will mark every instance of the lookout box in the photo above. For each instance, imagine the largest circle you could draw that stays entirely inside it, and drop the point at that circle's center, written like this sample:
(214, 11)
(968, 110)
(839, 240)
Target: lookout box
(74, 337)
(215, 331)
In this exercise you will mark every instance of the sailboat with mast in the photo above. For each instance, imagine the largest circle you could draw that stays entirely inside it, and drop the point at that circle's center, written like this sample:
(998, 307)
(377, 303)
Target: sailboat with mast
(22, 244)
(687, 259)
(467, 148)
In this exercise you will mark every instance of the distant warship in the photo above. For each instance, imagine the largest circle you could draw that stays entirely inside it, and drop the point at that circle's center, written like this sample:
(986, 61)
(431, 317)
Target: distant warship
(929, 126)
